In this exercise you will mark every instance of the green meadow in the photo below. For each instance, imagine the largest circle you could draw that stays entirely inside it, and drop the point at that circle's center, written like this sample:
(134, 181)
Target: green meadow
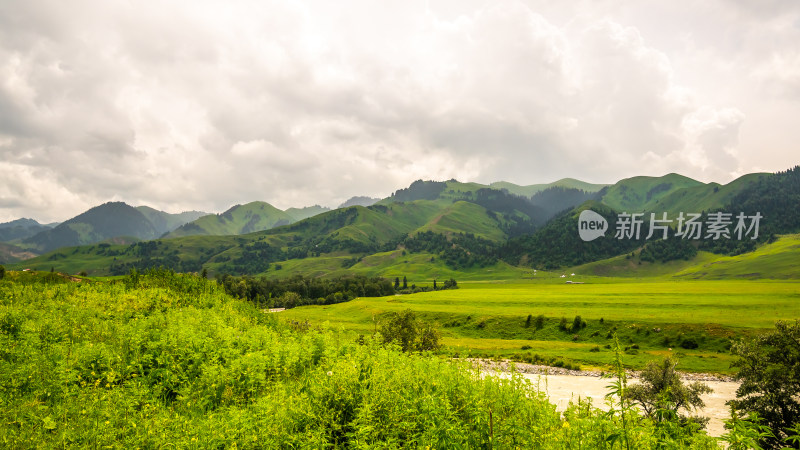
(695, 320)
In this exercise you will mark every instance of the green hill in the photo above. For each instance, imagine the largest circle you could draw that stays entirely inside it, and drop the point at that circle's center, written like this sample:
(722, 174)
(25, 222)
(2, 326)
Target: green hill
(240, 219)
(465, 217)
(704, 197)
(639, 194)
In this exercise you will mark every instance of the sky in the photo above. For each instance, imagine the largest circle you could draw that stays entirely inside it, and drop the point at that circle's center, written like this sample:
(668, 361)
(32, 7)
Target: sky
(200, 105)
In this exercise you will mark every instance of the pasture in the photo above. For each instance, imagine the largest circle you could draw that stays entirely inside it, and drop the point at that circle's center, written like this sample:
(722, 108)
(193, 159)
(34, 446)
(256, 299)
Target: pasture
(694, 320)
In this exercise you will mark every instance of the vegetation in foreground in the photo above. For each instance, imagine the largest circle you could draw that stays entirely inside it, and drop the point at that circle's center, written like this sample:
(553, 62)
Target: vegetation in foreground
(167, 359)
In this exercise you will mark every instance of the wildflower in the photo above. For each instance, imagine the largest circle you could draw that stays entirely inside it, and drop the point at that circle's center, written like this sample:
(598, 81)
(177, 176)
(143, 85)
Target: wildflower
(330, 372)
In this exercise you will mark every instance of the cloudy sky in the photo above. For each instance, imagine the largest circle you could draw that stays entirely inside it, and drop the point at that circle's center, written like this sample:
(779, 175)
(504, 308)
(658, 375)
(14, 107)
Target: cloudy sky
(204, 104)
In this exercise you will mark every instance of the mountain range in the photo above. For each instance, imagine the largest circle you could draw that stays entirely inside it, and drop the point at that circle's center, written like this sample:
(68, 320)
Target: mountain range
(455, 225)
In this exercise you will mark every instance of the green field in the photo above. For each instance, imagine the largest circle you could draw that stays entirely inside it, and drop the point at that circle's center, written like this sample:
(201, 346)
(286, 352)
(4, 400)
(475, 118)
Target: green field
(489, 319)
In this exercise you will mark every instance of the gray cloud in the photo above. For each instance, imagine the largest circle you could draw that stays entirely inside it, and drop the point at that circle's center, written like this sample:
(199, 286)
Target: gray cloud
(200, 105)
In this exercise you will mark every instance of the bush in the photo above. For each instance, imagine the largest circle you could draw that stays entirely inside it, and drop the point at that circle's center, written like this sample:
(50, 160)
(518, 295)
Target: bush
(404, 329)
(661, 389)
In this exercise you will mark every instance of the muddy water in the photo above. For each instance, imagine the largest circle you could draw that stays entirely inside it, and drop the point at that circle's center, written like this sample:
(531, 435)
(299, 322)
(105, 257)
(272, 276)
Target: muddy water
(563, 388)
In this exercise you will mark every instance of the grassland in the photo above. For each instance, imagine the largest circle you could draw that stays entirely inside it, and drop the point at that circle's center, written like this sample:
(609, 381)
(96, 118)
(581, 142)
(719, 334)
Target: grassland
(653, 318)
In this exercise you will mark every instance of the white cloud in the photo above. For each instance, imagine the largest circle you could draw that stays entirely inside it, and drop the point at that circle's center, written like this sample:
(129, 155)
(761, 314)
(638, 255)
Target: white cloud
(200, 105)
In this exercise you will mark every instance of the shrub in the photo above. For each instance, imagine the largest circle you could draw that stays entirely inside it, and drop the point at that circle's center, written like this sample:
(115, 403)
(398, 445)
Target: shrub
(689, 344)
(539, 323)
(661, 388)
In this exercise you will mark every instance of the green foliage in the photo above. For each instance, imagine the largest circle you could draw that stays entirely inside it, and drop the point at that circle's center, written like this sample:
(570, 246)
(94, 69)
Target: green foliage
(306, 291)
(2, 271)
(670, 249)
(746, 433)
(162, 359)
(662, 393)
(770, 379)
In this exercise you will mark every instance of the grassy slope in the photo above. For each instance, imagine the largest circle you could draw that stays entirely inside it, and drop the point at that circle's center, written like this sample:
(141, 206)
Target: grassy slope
(465, 217)
(251, 217)
(642, 193)
(770, 261)
(778, 260)
(703, 197)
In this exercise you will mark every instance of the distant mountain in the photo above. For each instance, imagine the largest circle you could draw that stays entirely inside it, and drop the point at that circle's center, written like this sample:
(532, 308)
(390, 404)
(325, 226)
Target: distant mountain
(99, 223)
(299, 214)
(239, 219)
(557, 198)
(107, 222)
(20, 229)
(359, 201)
(530, 190)
(165, 222)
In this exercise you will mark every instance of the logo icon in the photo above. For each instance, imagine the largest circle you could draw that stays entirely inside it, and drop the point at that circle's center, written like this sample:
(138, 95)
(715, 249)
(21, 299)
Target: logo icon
(591, 225)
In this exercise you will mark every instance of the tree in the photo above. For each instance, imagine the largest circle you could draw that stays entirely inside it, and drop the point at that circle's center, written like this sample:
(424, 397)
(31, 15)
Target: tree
(451, 284)
(396, 283)
(405, 282)
(409, 332)
(769, 372)
(2, 272)
(660, 389)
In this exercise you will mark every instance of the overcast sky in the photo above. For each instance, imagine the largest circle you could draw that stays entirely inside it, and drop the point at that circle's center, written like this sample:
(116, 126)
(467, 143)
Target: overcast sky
(200, 105)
